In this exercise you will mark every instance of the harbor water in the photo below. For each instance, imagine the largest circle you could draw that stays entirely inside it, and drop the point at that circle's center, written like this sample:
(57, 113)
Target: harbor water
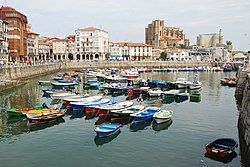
(73, 142)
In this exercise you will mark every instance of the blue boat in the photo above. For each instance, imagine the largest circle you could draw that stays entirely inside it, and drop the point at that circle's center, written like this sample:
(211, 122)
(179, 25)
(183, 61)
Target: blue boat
(145, 114)
(107, 129)
(76, 106)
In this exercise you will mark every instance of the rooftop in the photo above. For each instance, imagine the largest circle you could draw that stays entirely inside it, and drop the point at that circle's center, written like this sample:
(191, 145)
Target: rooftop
(132, 44)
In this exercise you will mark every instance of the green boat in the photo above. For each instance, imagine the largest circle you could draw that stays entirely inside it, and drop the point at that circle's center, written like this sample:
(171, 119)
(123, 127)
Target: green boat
(12, 112)
(195, 97)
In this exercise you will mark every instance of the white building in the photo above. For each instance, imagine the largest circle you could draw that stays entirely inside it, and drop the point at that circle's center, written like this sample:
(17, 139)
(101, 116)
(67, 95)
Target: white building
(43, 49)
(32, 44)
(135, 51)
(91, 43)
(220, 53)
(180, 56)
(3, 42)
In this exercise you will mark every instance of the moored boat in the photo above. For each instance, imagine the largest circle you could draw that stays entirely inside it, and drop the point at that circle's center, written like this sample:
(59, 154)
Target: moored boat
(163, 116)
(44, 83)
(104, 110)
(107, 129)
(126, 112)
(59, 84)
(46, 118)
(221, 147)
(144, 115)
(76, 106)
(155, 92)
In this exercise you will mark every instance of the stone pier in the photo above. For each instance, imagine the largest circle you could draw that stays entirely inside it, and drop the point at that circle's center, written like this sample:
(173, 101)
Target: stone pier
(242, 94)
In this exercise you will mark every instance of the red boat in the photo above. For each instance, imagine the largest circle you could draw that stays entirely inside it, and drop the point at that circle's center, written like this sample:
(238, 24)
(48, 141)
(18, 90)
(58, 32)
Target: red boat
(221, 147)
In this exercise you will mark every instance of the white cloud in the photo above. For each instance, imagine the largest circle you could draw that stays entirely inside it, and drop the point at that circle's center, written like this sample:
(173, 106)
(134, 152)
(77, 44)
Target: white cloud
(126, 20)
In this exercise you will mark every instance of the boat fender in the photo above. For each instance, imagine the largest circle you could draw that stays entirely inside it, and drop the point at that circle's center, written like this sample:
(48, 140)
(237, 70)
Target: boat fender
(130, 92)
(145, 83)
(106, 91)
(140, 99)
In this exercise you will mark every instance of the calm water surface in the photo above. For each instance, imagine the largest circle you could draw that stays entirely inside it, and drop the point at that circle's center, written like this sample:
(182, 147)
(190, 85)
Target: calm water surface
(73, 142)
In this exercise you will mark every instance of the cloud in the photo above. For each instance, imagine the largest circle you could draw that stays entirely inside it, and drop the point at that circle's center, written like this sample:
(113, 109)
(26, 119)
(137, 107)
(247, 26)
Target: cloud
(126, 20)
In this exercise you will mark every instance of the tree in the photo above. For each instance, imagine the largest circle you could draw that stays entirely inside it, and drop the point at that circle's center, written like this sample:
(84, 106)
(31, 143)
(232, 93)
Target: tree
(163, 56)
(228, 42)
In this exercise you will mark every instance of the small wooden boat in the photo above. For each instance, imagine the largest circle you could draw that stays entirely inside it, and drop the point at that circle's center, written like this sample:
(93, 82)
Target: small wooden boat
(145, 114)
(221, 147)
(80, 105)
(182, 83)
(56, 78)
(163, 116)
(58, 84)
(84, 99)
(195, 97)
(126, 112)
(46, 118)
(22, 112)
(44, 83)
(155, 92)
(36, 113)
(231, 83)
(107, 129)
(170, 93)
(63, 95)
(104, 110)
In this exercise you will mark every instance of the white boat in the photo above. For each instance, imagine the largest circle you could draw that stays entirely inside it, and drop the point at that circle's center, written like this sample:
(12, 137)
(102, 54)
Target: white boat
(85, 99)
(182, 83)
(62, 95)
(68, 99)
(126, 112)
(171, 92)
(163, 116)
(155, 92)
(196, 84)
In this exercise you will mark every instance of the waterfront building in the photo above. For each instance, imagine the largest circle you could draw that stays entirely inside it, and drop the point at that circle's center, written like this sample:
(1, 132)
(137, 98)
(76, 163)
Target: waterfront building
(44, 48)
(209, 40)
(32, 44)
(135, 51)
(3, 42)
(130, 51)
(159, 36)
(70, 39)
(115, 52)
(220, 53)
(91, 44)
(59, 49)
(180, 56)
(17, 32)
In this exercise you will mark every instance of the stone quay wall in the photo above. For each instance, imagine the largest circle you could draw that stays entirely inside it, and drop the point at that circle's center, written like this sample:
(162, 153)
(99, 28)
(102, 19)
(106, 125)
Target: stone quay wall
(242, 95)
(16, 75)
(129, 64)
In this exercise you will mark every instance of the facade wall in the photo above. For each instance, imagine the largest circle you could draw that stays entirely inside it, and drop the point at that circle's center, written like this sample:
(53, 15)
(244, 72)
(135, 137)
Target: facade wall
(208, 40)
(91, 43)
(3, 42)
(159, 36)
(17, 35)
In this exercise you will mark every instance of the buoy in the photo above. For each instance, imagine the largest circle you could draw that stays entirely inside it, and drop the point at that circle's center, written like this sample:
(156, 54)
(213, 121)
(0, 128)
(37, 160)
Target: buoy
(130, 92)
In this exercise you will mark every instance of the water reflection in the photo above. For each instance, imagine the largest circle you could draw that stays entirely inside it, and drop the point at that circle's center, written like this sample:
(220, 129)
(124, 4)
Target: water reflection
(163, 126)
(224, 160)
(104, 140)
(11, 127)
(140, 126)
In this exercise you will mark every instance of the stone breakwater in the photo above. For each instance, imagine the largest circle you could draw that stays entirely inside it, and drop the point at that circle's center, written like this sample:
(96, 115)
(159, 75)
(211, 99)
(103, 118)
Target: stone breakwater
(242, 95)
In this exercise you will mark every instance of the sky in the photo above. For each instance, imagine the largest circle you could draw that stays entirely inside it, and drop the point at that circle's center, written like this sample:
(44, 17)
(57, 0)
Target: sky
(126, 20)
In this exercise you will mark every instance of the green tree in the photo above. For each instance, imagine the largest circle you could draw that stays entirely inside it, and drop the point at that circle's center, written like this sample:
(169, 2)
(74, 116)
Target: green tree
(228, 42)
(163, 56)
